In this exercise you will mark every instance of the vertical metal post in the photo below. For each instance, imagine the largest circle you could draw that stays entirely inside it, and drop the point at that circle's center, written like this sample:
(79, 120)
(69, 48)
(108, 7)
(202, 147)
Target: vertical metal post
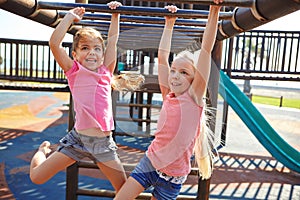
(151, 62)
(281, 100)
(134, 60)
(203, 189)
(139, 100)
(71, 113)
(148, 112)
(142, 70)
(247, 85)
(225, 105)
(18, 46)
(115, 97)
(72, 182)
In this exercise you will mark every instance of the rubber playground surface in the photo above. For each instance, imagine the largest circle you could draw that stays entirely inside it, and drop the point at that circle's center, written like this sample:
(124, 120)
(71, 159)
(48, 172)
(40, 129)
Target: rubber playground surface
(245, 170)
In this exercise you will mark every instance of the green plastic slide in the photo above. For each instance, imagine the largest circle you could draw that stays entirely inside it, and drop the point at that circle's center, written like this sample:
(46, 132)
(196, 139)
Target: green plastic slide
(258, 125)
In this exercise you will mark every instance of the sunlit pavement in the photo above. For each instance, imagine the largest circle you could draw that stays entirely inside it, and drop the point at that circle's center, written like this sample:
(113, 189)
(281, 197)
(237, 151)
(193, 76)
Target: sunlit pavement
(245, 170)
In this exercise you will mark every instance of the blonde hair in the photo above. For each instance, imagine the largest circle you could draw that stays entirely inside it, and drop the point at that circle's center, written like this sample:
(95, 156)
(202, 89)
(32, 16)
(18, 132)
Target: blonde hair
(205, 152)
(127, 82)
(87, 32)
(205, 142)
(187, 56)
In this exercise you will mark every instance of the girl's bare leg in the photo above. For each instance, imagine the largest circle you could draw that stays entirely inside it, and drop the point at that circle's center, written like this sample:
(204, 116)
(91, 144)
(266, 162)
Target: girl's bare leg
(130, 190)
(114, 172)
(43, 168)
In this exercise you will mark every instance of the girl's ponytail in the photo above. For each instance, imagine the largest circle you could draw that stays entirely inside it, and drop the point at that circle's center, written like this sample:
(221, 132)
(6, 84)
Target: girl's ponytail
(204, 146)
(127, 82)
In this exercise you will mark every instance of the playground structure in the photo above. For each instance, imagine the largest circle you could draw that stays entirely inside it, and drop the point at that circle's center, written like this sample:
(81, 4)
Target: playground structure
(232, 23)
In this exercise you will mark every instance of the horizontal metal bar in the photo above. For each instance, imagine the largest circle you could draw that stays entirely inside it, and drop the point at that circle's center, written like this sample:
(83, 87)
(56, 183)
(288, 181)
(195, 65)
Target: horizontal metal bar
(150, 30)
(140, 19)
(135, 120)
(131, 10)
(182, 43)
(111, 194)
(151, 37)
(137, 32)
(33, 87)
(234, 3)
(138, 105)
(128, 167)
(245, 19)
(154, 44)
(127, 39)
(134, 32)
(133, 134)
(133, 25)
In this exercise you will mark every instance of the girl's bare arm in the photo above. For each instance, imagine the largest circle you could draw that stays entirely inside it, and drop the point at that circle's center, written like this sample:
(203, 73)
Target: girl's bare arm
(110, 57)
(55, 42)
(164, 52)
(203, 65)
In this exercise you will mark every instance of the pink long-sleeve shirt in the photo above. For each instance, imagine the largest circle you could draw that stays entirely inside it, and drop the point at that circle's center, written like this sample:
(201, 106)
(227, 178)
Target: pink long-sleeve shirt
(177, 129)
(91, 93)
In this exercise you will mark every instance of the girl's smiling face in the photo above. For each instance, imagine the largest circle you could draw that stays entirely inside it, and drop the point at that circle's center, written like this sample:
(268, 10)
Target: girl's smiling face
(89, 53)
(181, 75)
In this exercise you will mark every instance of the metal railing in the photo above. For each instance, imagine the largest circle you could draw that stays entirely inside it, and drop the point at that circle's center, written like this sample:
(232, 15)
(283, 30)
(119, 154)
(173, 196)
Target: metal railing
(29, 60)
(263, 55)
(259, 55)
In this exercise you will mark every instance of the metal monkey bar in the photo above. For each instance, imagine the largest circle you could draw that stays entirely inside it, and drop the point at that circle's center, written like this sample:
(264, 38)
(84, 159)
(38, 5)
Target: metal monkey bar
(234, 3)
(261, 12)
(131, 10)
(247, 15)
(191, 28)
(127, 25)
(140, 19)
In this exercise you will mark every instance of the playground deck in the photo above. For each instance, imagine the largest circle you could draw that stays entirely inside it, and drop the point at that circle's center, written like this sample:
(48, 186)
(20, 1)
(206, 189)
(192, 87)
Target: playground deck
(245, 169)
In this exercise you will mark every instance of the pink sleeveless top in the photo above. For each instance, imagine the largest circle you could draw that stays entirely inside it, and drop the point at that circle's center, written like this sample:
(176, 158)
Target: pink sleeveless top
(177, 129)
(92, 97)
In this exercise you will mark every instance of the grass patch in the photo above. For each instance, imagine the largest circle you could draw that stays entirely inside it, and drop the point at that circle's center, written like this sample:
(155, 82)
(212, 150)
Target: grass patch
(275, 101)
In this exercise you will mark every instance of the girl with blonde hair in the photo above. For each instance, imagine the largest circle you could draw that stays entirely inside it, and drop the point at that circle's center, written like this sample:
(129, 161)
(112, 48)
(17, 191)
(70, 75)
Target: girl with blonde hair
(183, 85)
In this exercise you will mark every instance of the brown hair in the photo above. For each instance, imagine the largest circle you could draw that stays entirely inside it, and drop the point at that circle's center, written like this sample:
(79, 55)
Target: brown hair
(121, 82)
(86, 32)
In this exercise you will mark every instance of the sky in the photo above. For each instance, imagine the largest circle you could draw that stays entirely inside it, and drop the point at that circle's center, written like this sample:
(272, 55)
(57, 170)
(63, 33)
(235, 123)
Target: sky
(21, 28)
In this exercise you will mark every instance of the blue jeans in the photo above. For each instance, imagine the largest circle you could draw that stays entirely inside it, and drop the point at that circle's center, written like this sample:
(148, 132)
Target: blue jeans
(147, 176)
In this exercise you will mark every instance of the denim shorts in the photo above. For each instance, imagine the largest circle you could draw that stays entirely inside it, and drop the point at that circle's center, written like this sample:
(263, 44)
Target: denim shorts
(147, 176)
(78, 146)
